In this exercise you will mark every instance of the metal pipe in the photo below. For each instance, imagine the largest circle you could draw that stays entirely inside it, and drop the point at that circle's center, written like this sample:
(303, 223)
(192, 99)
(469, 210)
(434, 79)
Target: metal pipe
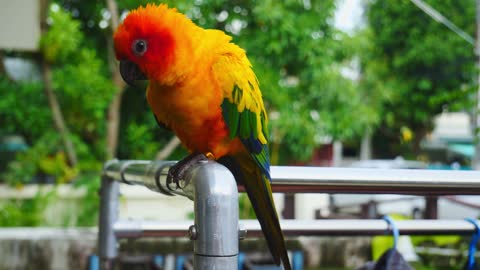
(347, 227)
(374, 181)
(145, 228)
(289, 179)
(142, 172)
(215, 233)
(107, 241)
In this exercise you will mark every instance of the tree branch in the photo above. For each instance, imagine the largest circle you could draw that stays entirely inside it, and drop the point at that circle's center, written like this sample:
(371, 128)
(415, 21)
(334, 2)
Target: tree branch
(58, 120)
(113, 117)
(57, 115)
(2, 64)
(168, 149)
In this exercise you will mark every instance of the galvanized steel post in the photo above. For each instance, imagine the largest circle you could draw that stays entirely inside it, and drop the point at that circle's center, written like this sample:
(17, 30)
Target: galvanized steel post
(215, 233)
(107, 242)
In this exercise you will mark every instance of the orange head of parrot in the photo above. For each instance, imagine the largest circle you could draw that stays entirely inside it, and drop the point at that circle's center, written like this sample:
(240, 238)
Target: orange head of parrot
(146, 44)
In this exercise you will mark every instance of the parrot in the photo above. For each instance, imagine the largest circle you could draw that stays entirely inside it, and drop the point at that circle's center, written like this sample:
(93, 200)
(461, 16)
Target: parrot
(202, 86)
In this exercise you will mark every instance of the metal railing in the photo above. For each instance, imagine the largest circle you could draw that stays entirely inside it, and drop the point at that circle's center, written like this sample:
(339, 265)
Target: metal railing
(216, 229)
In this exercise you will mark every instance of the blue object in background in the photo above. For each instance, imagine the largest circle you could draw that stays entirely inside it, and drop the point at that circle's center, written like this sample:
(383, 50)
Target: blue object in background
(158, 260)
(297, 260)
(472, 249)
(179, 262)
(448, 167)
(393, 228)
(13, 143)
(465, 149)
(241, 260)
(93, 262)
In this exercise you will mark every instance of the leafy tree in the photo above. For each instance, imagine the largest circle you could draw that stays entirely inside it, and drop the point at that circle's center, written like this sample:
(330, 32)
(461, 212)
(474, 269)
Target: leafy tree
(427, 67)
(32, 119)
(79, 83)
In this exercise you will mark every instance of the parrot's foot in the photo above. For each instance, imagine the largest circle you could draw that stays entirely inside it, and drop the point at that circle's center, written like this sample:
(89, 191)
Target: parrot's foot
(177, 171)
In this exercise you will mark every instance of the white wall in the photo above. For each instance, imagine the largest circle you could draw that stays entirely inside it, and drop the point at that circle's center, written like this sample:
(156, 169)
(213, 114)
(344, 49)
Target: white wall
(307, 203)
(19, 24)
(138, 202)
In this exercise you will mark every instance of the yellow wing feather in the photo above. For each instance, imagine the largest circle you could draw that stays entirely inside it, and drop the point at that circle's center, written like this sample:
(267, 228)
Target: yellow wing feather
(232, 69)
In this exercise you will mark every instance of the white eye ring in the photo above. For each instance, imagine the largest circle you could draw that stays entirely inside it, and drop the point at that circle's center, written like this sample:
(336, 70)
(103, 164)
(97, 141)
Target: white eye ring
(139, 47)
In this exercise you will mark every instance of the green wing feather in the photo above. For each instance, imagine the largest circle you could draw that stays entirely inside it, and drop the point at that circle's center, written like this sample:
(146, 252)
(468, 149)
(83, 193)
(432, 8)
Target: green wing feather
(244, 126)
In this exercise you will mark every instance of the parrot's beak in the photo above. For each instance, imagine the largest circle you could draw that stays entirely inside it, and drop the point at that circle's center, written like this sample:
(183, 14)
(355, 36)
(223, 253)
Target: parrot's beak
(131, 72)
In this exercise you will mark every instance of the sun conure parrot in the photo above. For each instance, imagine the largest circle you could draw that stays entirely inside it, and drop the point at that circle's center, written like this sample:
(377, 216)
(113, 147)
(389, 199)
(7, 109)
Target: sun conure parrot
(202, 86)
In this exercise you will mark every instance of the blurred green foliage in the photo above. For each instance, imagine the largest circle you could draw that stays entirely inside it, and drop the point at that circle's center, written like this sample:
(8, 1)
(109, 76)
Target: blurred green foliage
(13, 212)
(87, 214)
(23, 109)
(43, 158)
(84, 90)
(427, 67)
(63, 37)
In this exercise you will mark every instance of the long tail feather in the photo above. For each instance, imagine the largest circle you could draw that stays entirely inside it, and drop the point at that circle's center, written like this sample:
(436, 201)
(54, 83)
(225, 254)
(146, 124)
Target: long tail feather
(262, 201)
(260, 194)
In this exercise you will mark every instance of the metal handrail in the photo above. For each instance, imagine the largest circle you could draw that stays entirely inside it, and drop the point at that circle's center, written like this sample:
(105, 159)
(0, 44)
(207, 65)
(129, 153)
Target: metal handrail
(212, 188)
(290, 179)
(343, 227)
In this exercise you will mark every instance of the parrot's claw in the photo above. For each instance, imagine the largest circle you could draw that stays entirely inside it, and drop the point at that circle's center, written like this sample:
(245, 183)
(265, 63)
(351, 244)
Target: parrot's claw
(176, 173)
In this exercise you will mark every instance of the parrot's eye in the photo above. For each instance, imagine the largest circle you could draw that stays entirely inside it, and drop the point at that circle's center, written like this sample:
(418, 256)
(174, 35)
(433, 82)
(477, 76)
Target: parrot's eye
(139, 47)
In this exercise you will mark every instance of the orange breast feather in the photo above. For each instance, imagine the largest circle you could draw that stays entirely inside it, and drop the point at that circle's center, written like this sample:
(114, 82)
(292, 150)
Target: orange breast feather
(193, 111)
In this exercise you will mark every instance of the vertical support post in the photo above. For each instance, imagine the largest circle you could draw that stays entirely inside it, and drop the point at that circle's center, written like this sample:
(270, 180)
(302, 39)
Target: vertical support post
(107, 242)
(366, 145)
(369, 210)
(288, 206)
(476, 111)
(431, 207)
(216, 229)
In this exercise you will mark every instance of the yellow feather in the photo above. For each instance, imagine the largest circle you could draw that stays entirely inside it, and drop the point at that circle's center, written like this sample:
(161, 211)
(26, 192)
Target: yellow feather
(233, 68)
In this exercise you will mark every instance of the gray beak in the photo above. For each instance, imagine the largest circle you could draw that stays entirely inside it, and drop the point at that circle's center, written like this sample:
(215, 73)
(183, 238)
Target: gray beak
(131, 72)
